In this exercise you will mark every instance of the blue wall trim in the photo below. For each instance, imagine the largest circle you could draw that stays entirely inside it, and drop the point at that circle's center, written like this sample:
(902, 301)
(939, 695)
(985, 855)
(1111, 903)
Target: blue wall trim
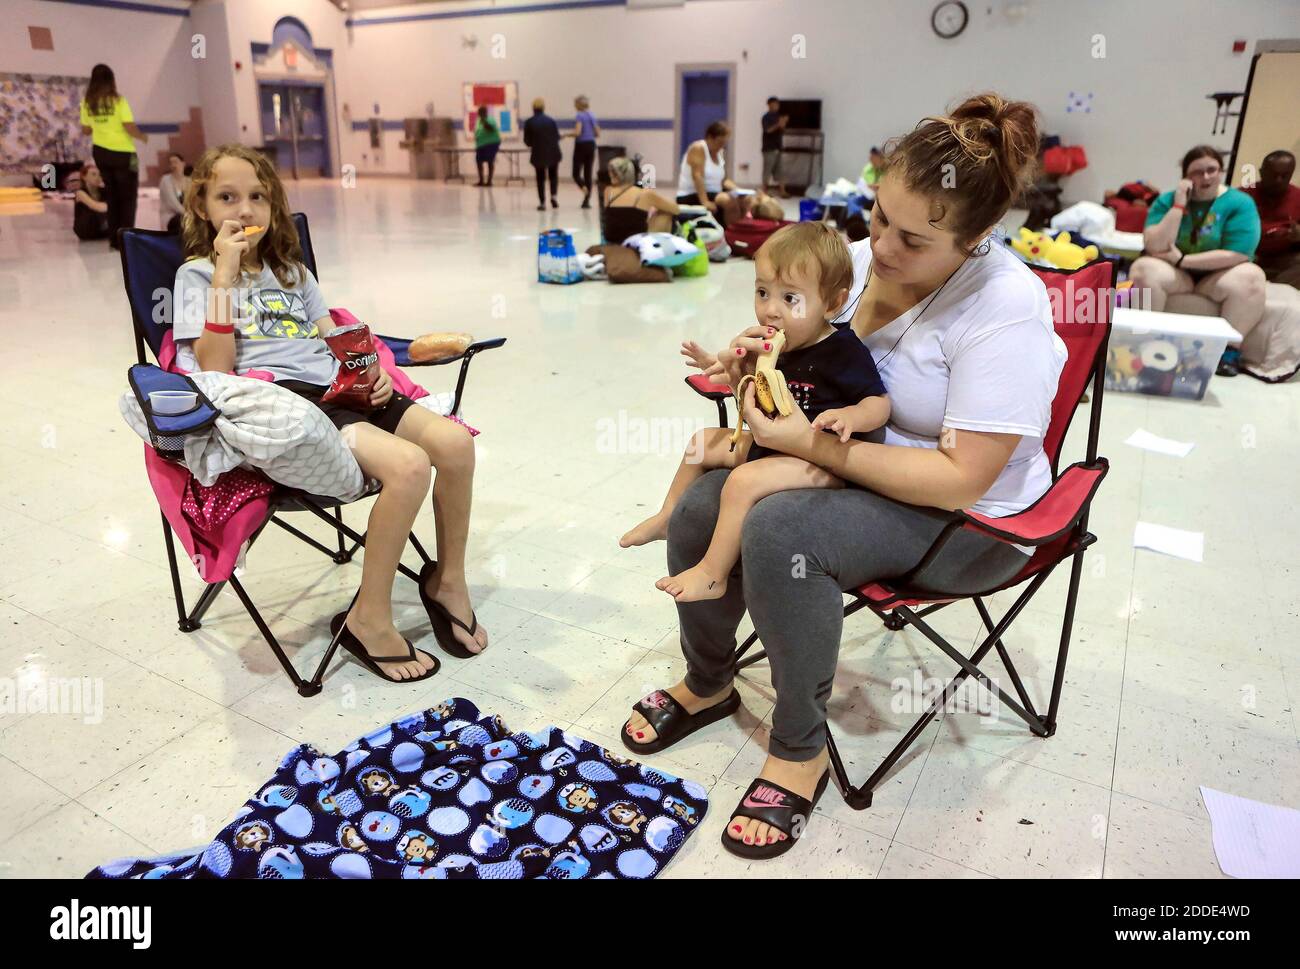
(385, 125)
(623, 124)
(125, 5)
(610, 124)
(485, 12)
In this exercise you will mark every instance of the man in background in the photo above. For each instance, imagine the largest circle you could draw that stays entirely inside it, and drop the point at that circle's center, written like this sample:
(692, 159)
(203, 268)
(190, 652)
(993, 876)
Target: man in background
(1278, 202)
(774, 123)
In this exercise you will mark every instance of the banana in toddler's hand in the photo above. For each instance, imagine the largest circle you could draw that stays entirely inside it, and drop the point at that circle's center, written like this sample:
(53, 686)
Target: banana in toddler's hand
(770, 390)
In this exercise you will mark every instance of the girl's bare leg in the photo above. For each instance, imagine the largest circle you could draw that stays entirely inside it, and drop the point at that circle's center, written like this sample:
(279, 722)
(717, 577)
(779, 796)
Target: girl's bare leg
(404, 472)
(449, 448)
(745, 487)
(710, 449)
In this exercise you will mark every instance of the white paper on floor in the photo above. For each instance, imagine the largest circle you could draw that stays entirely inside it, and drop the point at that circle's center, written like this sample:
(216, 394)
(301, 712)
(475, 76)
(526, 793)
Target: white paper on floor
(1161, 445)
(1253, 839)
(1170, 541)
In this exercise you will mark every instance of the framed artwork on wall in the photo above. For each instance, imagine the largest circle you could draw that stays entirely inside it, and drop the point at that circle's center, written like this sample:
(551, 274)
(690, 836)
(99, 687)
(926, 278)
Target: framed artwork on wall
(501, 98)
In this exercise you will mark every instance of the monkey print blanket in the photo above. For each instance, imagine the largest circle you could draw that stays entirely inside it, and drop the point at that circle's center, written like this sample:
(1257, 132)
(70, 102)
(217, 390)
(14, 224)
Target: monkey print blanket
(448, 793)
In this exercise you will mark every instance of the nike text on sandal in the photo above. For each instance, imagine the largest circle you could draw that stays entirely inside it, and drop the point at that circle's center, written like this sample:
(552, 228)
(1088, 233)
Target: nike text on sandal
(441, 620)
(778, 808)
(671, 722)
(340, 631)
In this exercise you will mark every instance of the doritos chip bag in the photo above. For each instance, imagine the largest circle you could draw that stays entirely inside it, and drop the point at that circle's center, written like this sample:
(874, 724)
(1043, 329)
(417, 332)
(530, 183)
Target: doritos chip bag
(358, 367)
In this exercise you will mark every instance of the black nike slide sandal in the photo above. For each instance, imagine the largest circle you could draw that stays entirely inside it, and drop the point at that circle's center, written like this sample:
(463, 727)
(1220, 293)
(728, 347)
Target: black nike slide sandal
(773, 805)
(671, 722)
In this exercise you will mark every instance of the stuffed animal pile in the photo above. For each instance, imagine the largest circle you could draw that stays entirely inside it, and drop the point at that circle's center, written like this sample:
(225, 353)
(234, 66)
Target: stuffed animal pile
(1060, 253)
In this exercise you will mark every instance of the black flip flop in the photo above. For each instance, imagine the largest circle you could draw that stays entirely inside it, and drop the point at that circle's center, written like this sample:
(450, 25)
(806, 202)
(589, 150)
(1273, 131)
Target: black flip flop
(340, 631)
(441, 620)
(773, 805)
(671, 722)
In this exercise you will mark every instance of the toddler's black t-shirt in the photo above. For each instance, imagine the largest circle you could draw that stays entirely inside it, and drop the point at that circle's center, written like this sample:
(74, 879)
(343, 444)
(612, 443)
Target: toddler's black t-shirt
(835, 372)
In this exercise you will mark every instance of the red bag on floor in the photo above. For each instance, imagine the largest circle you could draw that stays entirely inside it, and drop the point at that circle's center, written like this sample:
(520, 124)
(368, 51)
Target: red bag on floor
(1064, 160)
(747, 234)
(1129, 216)
(359, 368)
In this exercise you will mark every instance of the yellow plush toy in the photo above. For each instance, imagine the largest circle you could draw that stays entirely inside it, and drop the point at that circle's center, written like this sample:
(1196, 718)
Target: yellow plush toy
(1123, 363)
(1066, 255)
(1059, 252)
(1030, 245)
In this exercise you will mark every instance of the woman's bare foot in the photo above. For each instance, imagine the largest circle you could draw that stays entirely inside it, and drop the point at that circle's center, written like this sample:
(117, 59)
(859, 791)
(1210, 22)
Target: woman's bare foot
(453, 595)
(693, 585)
(798, 777)
(379, 638)
(639, 730)
(653, 529)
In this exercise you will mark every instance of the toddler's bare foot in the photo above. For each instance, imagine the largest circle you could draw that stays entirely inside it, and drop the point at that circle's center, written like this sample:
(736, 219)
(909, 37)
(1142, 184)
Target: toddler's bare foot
(693, 585)
(653, 529)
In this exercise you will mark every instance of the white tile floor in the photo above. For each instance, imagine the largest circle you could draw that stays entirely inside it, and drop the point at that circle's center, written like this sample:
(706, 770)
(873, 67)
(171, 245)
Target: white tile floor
(1179, 675)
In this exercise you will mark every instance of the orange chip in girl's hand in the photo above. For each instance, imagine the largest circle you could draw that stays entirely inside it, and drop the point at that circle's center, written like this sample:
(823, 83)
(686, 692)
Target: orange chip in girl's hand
(252, 230)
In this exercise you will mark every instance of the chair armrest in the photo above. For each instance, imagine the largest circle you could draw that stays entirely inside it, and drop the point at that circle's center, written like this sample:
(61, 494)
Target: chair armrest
(1052, 515)
(401, 346)
(705, 387)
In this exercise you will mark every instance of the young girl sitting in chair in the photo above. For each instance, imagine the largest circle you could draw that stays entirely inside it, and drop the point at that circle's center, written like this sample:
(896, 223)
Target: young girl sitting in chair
(245, 301)
(802, 278)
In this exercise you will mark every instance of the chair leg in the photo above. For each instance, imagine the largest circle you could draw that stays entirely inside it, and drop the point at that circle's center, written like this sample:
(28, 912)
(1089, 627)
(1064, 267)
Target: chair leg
(195, 619)
(344, 554)
(722, 414)
(424, 556)
(970, 667)
(182, 620)
(1006, 658)
(1067, 627)
(350, 533)
(304, 537)
(858, 798)
(305, 687)
(739, 658)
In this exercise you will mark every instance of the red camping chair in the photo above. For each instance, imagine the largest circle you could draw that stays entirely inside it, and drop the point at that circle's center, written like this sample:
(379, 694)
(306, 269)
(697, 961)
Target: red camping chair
(1056, 526)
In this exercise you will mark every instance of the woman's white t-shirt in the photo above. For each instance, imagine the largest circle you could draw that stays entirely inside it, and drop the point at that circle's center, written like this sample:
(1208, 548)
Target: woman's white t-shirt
(983, 356)
(714, 171)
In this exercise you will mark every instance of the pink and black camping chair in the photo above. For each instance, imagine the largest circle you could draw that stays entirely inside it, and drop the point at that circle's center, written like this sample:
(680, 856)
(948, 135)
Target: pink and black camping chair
(1055, 526)
(149, 263)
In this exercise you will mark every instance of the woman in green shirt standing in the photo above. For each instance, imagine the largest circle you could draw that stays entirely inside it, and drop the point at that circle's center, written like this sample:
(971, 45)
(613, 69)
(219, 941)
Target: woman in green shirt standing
(1201, 238)
(487, 141)
(106, 117)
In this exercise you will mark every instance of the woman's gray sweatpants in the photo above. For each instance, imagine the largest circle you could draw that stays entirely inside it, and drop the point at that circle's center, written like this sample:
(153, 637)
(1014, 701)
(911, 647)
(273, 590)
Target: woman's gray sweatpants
(799, 551)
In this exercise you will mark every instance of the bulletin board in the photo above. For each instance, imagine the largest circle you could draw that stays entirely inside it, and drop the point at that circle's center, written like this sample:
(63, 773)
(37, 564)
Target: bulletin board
(40, 120)
(1268, 120)
(502, 101)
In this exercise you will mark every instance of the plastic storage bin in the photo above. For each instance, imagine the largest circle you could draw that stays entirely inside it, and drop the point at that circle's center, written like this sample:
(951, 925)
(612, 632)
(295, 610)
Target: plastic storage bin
(1165, 354)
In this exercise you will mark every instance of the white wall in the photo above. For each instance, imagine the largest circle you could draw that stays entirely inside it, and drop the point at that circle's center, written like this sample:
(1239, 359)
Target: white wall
(249, 21)
(149, 54)
(875, 63)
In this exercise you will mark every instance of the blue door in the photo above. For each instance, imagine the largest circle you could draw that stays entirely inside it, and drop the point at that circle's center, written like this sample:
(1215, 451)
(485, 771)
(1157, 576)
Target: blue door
(295, 127)
(704, 101)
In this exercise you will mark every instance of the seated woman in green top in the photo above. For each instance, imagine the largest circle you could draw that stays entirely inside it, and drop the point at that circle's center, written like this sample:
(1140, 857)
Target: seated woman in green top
(1201, 238)
(487, 141)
